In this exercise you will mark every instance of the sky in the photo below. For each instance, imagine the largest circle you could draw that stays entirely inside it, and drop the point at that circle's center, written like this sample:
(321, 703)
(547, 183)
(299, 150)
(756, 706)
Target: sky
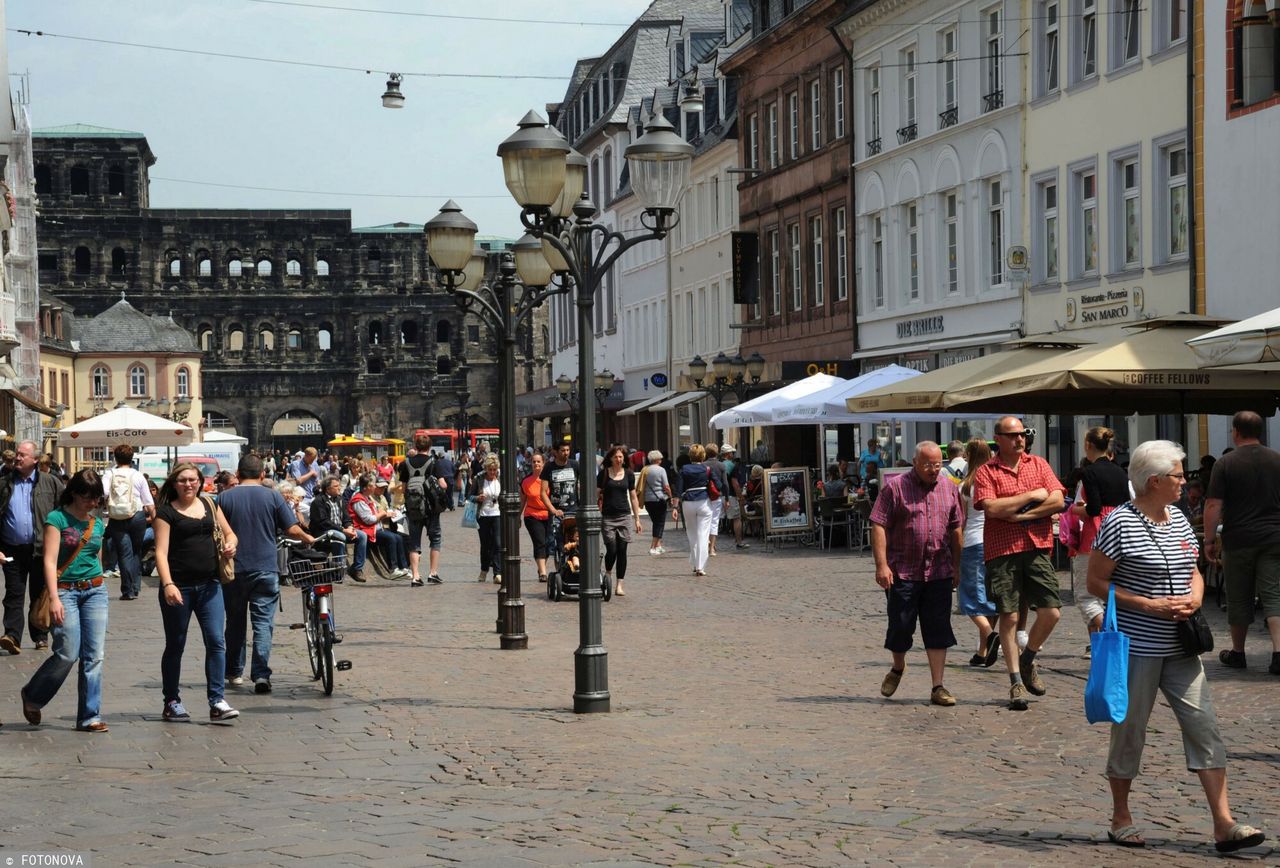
(265, 125)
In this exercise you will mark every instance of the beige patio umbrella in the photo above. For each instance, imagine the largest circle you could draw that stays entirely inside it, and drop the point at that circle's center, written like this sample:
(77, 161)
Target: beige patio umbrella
(929, 392)
(1149, 371)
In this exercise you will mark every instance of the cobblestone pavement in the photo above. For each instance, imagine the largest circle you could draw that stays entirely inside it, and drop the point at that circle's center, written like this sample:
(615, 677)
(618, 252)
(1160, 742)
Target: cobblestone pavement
(747, 728)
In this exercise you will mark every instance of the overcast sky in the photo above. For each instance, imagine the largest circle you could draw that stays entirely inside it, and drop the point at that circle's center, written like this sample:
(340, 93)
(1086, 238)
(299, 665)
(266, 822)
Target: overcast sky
(216, 120)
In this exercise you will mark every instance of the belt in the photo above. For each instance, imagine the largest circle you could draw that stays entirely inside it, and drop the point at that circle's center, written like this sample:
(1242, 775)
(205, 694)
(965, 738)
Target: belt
(84, 585)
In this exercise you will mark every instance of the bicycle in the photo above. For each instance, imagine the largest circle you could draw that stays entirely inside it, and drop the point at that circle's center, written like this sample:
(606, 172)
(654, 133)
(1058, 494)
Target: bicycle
(316, 578)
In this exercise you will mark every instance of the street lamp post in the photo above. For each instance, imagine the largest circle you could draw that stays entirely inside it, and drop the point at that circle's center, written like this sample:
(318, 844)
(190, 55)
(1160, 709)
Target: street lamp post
(464, 401)
(728, 376)
(601, 387)
(547, 178)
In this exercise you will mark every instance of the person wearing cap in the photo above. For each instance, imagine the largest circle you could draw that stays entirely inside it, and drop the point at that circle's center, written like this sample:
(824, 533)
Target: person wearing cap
(304, 472)
(393, 544)
(736, 472)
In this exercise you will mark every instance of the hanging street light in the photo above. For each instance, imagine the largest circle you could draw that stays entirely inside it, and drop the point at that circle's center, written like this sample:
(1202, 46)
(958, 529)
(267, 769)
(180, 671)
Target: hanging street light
(392, 98)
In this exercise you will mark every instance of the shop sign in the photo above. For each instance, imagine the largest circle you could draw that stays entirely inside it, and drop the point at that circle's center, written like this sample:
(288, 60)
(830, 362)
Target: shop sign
(659, 380)
(309, 428)
(916, 328)
(1104, 306)
(922, 362)
(844, 368)
(955, 357)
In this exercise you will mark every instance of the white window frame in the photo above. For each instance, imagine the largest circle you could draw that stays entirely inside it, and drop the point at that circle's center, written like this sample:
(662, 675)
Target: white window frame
(910, 91)
(842, 254)
(182, 383)
(1165, 16)
(837, 101)
(817, 254)
(1084, 64)
(1084, 222)
(1049, 72)
(1125, 24)
(815, 114)
(950, 88)
(793, 124)
(873, 103)
(877, 261)
(1125, 182)
(137, 381)
(993, 52)
(773, 135)
(996, 231)
(949, 210)
(775, 259)
(1173, 193)
(100, 379)
(753, 145)
(911, 249)
(797, 268)
(1046, 251)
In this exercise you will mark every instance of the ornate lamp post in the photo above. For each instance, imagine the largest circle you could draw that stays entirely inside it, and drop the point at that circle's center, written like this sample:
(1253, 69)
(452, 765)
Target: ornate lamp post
(547, 178)
(729, 375)
(464, 401)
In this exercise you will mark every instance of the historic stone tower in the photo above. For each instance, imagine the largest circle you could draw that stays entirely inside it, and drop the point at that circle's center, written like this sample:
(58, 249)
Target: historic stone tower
(296, 311)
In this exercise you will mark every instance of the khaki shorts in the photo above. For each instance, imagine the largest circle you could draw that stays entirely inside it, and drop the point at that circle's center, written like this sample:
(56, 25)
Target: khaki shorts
(732, 509)
(1249, 572)
(1022, 578)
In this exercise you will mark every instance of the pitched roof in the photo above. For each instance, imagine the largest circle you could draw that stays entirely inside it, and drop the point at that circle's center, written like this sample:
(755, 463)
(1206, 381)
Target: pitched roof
(85, 131)
(122, 328)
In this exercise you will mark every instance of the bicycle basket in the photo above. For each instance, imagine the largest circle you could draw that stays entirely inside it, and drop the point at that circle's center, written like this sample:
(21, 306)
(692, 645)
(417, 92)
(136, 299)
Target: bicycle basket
(305, 573)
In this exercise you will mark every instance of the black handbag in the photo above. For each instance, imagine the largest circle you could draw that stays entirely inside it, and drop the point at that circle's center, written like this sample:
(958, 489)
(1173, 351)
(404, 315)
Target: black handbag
(1194, 634)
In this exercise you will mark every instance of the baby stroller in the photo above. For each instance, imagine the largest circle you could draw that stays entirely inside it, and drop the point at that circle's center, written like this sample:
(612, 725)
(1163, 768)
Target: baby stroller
(565, 578)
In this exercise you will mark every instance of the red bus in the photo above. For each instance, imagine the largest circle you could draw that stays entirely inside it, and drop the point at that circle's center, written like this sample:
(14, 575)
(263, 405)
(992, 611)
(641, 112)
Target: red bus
(447, 439)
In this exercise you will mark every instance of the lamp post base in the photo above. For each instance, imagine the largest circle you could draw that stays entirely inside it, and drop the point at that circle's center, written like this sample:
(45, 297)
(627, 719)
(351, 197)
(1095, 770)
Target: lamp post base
(591, 678)
(513, 638)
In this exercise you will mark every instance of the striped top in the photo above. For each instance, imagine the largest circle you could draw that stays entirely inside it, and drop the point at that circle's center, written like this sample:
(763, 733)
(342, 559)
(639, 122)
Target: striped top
(1152, 560)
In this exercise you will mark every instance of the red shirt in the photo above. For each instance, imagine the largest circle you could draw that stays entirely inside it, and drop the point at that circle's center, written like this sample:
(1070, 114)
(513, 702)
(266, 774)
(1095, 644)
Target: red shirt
(533, 505)
(995, 480)
(918, 521)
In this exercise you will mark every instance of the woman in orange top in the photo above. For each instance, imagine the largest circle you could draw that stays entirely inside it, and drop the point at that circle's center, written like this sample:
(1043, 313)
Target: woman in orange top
(535, 506)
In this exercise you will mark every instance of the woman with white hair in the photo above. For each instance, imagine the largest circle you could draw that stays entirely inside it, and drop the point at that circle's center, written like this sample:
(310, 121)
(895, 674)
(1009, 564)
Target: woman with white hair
(655, 490)
(1148, 551)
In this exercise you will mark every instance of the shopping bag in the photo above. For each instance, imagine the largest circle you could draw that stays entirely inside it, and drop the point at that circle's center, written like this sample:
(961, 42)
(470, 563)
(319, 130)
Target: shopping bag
(469, 515)
(1106, 693)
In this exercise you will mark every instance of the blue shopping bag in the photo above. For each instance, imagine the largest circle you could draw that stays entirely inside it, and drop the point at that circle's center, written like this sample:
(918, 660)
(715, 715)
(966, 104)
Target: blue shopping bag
(469, 515)
(1106, 694)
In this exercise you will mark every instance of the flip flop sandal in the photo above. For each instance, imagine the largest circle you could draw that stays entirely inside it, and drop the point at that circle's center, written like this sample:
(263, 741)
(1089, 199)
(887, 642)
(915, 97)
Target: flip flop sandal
(1126, 836)
(1239, 838)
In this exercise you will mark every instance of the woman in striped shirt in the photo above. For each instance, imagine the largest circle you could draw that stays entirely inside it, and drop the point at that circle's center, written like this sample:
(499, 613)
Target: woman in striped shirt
(1149, 552)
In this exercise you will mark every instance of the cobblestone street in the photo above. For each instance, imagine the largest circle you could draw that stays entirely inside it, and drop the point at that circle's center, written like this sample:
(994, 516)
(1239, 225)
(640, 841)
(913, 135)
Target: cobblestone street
(747, 728)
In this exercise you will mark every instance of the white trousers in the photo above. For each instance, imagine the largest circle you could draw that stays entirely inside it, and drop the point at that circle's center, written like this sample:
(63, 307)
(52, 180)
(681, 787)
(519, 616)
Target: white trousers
(717, 510)
(697, 524)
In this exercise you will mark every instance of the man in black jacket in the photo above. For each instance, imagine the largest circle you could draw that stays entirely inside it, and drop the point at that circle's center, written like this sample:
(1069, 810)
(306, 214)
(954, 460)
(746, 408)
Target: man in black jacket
(27, 496)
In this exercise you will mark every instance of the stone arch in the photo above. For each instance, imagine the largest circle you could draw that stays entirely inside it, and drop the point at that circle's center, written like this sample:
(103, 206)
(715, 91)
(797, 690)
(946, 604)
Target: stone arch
(204, 337)
(946, 169)
(204, 264)
(873, 196)
(993, 156)
(235, 338)
(236, 411)
(908, 182)
(324, 337)
(269, 412)
(265, 337)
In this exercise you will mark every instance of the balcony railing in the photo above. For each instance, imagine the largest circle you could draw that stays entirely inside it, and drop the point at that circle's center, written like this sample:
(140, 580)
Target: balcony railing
(993, 101)
(907, 133)
(873, 147)
(948, 117)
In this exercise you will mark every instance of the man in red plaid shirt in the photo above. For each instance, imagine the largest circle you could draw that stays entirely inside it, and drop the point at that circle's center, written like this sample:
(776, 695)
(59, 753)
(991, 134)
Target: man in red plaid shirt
(917, 534)
(1020, 495)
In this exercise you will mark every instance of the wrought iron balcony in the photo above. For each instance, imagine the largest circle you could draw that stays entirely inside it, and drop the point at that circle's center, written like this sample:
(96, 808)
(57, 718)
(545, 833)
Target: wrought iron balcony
(948, 117)
(907, 133)
(873, 147)
(993, 101)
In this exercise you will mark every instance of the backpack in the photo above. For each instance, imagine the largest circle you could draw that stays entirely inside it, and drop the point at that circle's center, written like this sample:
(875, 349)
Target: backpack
(122, 501)
(419, 499)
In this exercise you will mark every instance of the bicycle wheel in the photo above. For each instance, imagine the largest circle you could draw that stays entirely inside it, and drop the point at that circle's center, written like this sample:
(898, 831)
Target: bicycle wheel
(326, 663)
(311, 626)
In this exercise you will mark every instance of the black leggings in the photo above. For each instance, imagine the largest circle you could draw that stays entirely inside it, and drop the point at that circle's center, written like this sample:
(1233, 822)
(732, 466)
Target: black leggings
(657, 510)
(490, 542)
(538, 529)
(615, 548)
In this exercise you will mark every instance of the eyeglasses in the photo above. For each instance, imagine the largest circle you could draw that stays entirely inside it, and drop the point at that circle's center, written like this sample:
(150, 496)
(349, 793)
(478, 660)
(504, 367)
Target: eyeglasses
(932, 465)
(1181, 477)
(1011, 433)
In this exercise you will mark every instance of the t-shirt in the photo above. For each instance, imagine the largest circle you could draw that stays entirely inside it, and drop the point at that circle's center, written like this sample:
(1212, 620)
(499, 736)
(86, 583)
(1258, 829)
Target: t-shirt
(1152, 560)
(616, 500)
(193, 557)
(563, 482)
(256, 514)
(533, 506)
(71, 530)
(1247, 481)
(492, 490)
(974, 521)
(1105, 484)
(297, 470)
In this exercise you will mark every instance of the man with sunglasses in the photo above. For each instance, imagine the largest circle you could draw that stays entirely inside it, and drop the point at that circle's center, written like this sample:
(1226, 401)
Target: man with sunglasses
(1019, 494)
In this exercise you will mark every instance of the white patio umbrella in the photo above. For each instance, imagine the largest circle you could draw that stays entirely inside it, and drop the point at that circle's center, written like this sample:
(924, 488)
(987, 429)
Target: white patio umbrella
(828, 407)
(759, 410)
(126, 425)
(212, 435)
(1252, 340)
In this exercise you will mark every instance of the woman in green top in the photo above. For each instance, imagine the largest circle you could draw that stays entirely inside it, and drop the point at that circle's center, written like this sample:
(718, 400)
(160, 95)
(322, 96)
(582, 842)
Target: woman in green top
(78, 603)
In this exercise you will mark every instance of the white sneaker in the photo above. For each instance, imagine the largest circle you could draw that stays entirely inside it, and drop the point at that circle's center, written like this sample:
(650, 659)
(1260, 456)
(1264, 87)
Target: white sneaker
(661, 550)
(400, 574)
(235, 681)
(655, 552)
(1023, 638)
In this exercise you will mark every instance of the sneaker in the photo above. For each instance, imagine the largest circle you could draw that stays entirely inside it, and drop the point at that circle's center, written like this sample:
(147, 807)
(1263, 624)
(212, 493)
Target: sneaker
(435, 580)
(1023, 639)
(1031, 678)
(890, 684)
(654, 552)
(744, 545)
(484, 576)
(1018, 698)
(235, 681)
(42, 645)
(401, 573)
(497, 578)
(174, 711)
(261, 685)
(662, 550)
(942, 696)
(221, 711)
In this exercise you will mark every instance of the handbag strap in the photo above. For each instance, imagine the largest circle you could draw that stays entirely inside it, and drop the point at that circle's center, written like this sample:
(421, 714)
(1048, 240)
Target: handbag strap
(84, 538)
(1168, 570)
(212, 506)
(1109, 624)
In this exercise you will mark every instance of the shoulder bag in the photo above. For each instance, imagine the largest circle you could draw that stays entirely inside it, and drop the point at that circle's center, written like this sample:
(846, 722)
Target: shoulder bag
(1106, 693)
(226, 565)
(1194, 634)
(41, 610)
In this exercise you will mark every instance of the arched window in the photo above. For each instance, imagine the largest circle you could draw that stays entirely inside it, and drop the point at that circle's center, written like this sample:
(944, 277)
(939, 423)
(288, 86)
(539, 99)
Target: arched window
(293, 268)
(608, 176)
(138, 381)
(204, 267)
(82, 262)
(322, 268)
(375, 332)
(324, 337)
(115, 181)
(442, 331)
(374, 365)
(206, 339)
(409, 332)
(235, 340)
(101, 380)
(264, 268)
(444, 365)
(44, 180)
(182, 383)
(119, 262)
(234, 268)
(293, 341)
(79, 181)
(175, 267)
(266, 339)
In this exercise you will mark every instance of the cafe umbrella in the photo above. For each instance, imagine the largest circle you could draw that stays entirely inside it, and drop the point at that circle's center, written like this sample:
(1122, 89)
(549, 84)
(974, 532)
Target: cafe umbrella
(1252, 340)
(126, 425)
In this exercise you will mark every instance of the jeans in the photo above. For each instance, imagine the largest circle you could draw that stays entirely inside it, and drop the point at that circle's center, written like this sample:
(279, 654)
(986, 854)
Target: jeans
(256, 594)
(126, 535)
(392, 546)
(81, 638)
(205, 601)
(490, 531)
(362, 549)
(23, 572)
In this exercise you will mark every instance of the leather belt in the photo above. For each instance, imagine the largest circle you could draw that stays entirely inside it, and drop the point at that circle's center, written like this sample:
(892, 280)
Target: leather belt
(83, 585)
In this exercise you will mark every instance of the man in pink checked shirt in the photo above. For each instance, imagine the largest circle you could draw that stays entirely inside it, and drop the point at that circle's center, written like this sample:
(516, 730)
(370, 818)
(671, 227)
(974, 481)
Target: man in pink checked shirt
(917, 534)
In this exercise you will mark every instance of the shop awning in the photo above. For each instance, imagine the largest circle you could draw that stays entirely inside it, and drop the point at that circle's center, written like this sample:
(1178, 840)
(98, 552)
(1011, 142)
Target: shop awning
(678, 401)
(646, 404)
(33, 404)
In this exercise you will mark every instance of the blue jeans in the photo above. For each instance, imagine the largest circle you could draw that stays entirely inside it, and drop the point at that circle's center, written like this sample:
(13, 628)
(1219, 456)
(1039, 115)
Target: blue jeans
(972, 591)
(392, 546)
(256, 595)
(206, 602)
(126, 536)
(81, 638)
(362, 549)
